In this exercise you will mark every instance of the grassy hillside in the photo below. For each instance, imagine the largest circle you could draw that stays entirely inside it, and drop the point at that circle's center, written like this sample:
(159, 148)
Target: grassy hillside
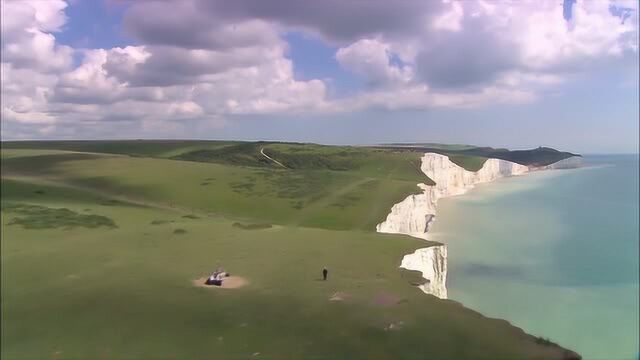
(357, 199)
(472, 158)
(431, 146)
(541, 156)
(156, 148)
(298, 155)
(100, 250)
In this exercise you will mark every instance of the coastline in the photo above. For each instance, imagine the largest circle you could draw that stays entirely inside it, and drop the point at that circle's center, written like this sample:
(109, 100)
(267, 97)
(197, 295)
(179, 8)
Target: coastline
(551, 253)
(416, 213)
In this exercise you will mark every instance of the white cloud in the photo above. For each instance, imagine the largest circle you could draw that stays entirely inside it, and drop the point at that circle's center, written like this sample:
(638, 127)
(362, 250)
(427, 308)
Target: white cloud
(372, 59)
(419, 97)
(243, 71)
(190, 24)
(27, 41)
(198, 61)
(24, 95)
(546, 39)
(46, 16)
(450, 19)
(476, 52)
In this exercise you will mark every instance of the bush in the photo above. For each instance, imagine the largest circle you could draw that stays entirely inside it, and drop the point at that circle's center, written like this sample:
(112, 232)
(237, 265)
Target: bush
(251, 226)
(42, 217)
(160, 222)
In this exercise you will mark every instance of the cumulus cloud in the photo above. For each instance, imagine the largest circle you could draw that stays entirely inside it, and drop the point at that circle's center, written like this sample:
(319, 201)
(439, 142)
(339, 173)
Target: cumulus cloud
(474, 55)
(450, 19)
(478, 52)
(24, 95)
(372, 59)
(494, 39)
(233, 68)
(192, 24)
(169, 65)
(335, 20)
(199, 61)
(27, 39)
(594, 32)
(419, 97)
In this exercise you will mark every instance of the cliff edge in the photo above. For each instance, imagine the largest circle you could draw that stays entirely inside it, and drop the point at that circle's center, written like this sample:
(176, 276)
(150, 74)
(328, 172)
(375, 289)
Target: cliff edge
(414, 215)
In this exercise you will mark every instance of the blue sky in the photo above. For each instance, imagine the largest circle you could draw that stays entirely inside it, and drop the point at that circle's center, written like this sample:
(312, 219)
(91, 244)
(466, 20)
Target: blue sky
(507, 74)
(94, 24)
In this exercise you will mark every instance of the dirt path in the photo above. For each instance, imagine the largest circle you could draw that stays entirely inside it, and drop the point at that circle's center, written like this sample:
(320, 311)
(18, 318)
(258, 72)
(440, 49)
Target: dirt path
(272, 159)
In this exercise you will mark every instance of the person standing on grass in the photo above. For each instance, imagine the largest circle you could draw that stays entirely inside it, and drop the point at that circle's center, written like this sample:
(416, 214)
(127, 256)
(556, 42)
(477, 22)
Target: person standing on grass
(325, 272)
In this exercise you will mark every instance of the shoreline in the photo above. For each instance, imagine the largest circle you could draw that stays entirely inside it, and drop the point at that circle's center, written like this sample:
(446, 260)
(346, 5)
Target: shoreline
(415, 214)
(532, 250)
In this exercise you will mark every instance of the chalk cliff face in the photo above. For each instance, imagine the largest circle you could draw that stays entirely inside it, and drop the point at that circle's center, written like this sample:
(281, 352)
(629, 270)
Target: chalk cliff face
(432, 263)
(414, 214)
(451, 179)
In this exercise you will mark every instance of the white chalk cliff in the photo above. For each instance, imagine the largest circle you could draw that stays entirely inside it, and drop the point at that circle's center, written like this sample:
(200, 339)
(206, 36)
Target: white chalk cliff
(415, 213)
(432, 263)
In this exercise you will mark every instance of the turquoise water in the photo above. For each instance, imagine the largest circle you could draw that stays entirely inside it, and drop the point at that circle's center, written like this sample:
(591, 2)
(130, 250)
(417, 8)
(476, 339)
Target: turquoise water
(553, 252)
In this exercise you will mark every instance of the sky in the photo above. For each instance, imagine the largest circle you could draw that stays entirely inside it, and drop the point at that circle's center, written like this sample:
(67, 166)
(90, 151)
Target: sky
(515, 74)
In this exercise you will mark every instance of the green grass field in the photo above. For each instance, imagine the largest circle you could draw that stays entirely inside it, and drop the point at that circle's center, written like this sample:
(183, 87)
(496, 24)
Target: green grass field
(100, 250)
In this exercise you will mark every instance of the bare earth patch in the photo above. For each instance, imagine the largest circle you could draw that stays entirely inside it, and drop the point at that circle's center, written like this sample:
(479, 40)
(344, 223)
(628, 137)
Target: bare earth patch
(394, 325)
(339, 296)
(231, 282)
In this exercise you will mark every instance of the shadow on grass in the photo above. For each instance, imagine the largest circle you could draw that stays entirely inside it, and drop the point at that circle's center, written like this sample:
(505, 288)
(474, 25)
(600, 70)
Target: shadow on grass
(42, 164)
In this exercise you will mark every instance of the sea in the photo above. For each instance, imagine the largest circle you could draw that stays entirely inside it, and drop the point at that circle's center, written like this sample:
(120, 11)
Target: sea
(553, 252)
